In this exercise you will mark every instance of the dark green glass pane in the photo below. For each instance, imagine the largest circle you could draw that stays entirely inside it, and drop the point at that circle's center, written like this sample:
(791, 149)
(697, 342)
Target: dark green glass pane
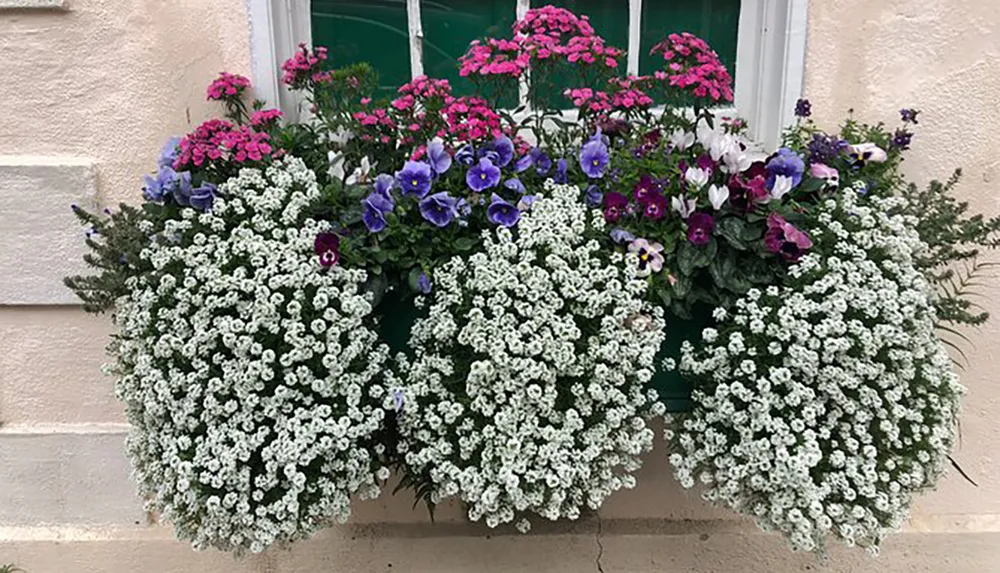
(449, 26)
(715, 21)
(609, 19)
(372, 31)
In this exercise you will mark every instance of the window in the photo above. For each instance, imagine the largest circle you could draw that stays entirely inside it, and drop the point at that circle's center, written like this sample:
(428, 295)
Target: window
(761, 41)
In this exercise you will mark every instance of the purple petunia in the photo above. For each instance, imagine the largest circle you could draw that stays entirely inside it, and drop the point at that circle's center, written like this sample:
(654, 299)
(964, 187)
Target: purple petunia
(700, 228)
(482, 176)
(415, 178)
(788, 163)
(439, 209)
(502, 213)
(594, 158)
(438, 157)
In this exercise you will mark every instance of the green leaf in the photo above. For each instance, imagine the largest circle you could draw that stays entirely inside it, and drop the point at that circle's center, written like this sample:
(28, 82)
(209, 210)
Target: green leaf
(464, 244)
(811, 185)
(664, 296)
(704, 254)
(413, 277)
(731, 229)
(686, 254)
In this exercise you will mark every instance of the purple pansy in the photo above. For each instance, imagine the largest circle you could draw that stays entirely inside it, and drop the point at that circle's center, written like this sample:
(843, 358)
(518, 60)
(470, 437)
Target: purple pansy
(156, 188)
(482, 176)
(526, 202)
(655, 207)
(524, 162)
(415, 178)
(439, 208)
(438, 157)
(594, 197)
(615, 205)
(620, 236)
(594, 158)
(784, 239)
(504, 149)
(788, 163)
(377, 206)
(169, 152)
(327, 246)
(203, 196)
(541, 161)
(700, 228)
(384, 184)
(466, 155)
(646, 188)
(514, 184)
(502, 213)
(182, 189)
(424, 283)
(560, 175)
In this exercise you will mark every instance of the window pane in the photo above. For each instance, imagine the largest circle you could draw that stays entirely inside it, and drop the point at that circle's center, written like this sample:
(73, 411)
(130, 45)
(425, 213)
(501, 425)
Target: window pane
(716, 21)
(449, 26)
(372, 31)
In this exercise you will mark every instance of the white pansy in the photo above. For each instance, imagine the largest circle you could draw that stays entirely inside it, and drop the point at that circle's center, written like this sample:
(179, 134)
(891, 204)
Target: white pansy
(717, 195)
(823, 406)
(526, 395)
(250, 377)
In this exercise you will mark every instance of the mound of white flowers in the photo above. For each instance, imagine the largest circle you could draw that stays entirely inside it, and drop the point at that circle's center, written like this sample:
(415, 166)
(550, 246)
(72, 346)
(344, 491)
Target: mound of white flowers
(526, 393)
(251, 381)
(823, 406)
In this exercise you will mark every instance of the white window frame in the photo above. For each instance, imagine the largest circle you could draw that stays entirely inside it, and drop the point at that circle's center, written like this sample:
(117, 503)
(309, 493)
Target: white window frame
(770, 55)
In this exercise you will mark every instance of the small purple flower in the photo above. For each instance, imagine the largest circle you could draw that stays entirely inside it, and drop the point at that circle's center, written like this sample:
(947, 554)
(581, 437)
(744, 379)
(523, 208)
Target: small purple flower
(504, 149)
(327, 246)
(415, 178)
(825, 148)
(438, 156)
(700, 228)
(541, 161)
(439, 208)
(785, 162)
(203, 196)
(620, 236)
(384, 184)
(466, 155)
(655, 207)
(803, 108)
(463, 208)
(502, 213)
(524, 162)
(909, 115)
(560, 175)
(482, 176)
(377, 206)
(901, 139)
(594, 197)
(784, 239)
(615, 205)
(646, 188)
(424, 283)
(169, 152)
(594, 158)
(526, 202)
(514, 184)
(489, 154)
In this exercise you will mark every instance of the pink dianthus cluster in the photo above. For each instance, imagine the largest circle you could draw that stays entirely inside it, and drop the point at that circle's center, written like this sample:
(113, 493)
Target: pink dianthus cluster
(422, 87)
(495, 57)
(552, 22)
(264, 117)
(626, 94)
(694, 66)
(469, 119)
(227, 86)
(219, 139)
(305, 67)
(589, 100)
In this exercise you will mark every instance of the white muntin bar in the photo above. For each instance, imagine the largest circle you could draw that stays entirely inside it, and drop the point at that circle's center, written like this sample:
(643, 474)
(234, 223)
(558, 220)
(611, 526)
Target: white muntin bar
(416, 38)
(634, 35)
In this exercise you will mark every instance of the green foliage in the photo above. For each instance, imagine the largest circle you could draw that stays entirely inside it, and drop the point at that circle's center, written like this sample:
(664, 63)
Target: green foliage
(955, 240)
(115, 241)
(10, 569)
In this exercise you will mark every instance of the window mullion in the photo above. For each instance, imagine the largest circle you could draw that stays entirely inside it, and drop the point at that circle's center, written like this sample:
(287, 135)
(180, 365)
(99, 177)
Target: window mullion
(634, 35)
(520, 10)
(416, 31)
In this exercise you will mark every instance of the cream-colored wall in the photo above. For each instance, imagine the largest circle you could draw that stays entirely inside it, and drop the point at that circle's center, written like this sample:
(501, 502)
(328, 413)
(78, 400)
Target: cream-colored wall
(109, 80)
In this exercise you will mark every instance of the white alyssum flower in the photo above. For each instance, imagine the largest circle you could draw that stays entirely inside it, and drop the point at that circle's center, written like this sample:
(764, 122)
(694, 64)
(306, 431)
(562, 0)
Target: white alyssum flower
(250, 378)
(823, 406)
(526, 395)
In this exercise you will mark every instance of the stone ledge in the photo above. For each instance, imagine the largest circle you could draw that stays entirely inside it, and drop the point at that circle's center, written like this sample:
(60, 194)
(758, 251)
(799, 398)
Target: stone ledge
(135, 549)
(34, 4)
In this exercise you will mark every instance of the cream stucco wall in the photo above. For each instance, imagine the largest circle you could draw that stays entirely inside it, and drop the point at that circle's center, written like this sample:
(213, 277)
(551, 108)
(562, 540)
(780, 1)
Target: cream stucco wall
(109, 80)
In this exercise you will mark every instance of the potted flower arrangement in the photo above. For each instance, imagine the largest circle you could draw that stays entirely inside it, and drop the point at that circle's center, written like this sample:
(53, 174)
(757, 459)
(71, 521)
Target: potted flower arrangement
(495, 302)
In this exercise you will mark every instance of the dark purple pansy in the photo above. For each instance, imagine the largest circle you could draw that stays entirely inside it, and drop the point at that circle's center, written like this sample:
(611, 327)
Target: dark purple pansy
(784, 239)
(700, 228)
(909, 115)
(803, 108)
(502, 213)
(655, 207)
(615, 205)
(646, 187)
(327, 246)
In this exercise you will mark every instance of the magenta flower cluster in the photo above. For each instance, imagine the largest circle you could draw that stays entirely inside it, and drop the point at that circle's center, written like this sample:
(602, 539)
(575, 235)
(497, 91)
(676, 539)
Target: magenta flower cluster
(305, 67)
(694, 66)
(218, 139)
(227, 86)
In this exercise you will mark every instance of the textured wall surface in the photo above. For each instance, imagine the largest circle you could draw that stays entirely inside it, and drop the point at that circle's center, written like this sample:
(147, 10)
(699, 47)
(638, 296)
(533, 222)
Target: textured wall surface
(107, 80)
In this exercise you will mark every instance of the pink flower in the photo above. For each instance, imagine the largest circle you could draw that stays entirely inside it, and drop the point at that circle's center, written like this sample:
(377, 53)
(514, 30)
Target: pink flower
(784, 239)
(227, 86)
(695, 67)
(822, 171)
(219, 140)
(265, 118)
(304, 68)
